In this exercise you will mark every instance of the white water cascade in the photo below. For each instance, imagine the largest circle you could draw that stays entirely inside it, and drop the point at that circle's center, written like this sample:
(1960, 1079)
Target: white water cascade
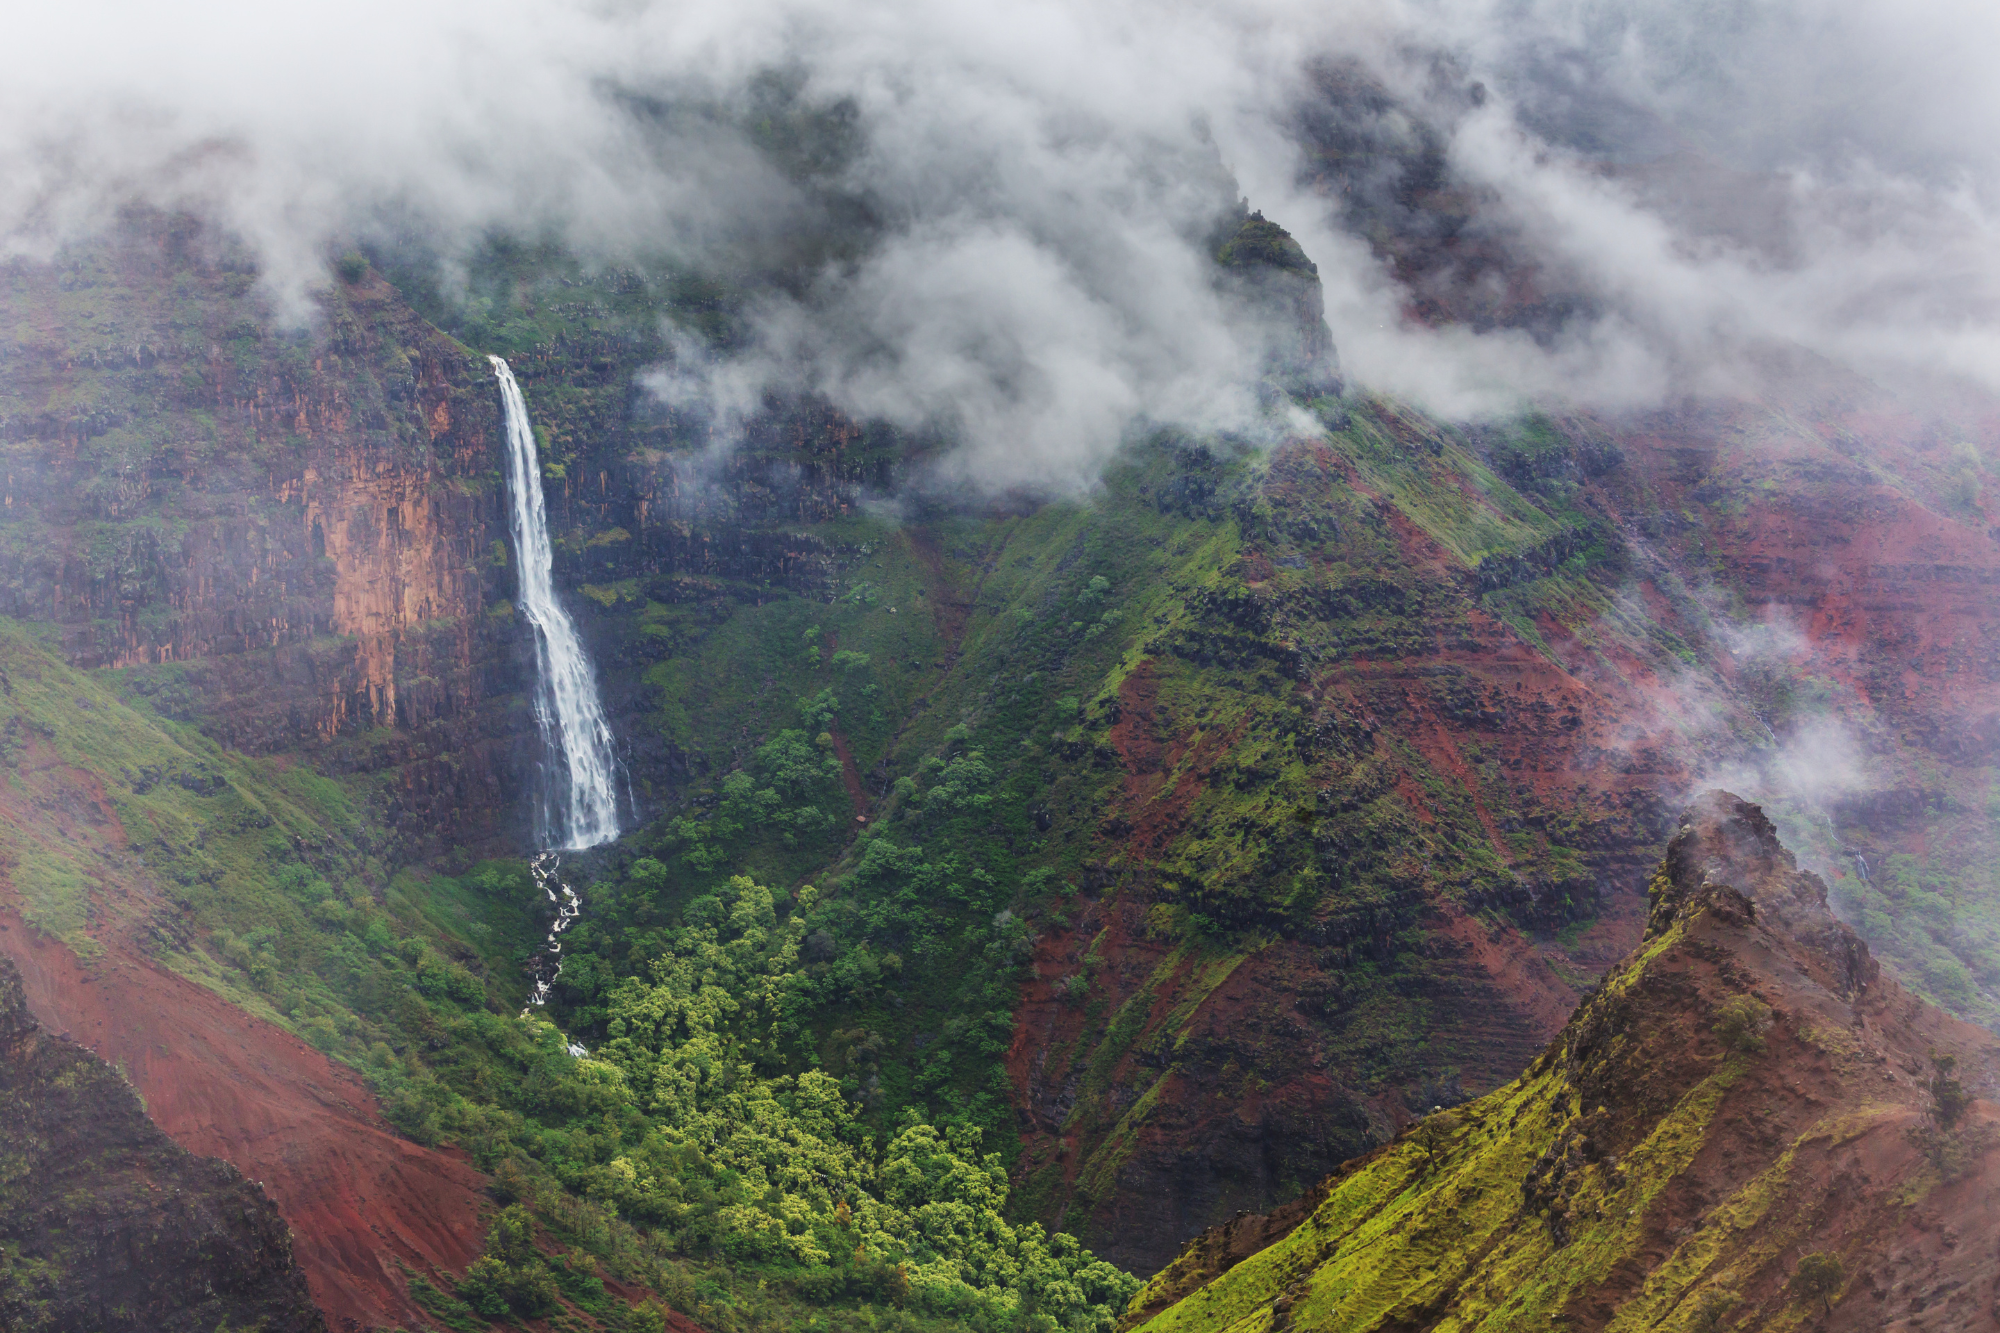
(582, 808)
(583, 811)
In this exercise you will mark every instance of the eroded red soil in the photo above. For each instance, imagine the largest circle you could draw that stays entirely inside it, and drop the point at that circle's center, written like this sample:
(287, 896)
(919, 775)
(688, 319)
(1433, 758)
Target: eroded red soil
(359, 1198)
(1847, 554)
(226, 1084)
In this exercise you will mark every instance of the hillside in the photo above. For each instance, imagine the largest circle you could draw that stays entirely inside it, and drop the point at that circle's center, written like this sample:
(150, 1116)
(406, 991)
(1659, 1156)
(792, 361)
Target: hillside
(1746, 1125)
(106, 1224)
(1344, 782)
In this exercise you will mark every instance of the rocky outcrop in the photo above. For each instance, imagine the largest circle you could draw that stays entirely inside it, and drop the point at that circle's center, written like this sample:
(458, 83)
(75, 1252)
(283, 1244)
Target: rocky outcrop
(105, 1224)
(1278, 286)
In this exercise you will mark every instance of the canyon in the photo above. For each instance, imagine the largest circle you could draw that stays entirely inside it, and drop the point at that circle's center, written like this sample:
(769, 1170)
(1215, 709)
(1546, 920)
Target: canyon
(1326, 778)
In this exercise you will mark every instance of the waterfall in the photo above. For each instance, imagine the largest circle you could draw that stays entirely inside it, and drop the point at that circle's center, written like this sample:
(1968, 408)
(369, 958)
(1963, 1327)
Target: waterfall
(583, 809)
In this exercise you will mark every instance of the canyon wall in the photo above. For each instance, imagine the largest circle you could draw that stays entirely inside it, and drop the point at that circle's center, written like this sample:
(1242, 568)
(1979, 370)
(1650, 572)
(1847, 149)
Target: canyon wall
(1327, 776)
(292, 536)
(1447, 683)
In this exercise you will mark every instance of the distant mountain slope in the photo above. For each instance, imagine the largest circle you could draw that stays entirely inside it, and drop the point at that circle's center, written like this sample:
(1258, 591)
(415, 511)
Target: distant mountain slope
(1744, 1097)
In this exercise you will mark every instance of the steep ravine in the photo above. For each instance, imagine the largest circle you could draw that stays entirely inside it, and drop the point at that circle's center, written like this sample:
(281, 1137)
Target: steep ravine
(1489, 661)
(1329, 803)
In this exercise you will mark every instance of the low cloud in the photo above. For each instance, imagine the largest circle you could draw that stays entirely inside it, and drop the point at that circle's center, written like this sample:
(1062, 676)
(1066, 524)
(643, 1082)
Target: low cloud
(1041, 185)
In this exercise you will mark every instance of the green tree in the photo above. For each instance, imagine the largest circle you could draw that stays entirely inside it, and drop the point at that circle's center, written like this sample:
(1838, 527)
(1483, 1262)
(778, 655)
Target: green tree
(510, 1278)
(1433, 1135)
(1819, 1277)
(1741, 1022)
(1936, 1136)
(1949, 1099)
(778, 1171)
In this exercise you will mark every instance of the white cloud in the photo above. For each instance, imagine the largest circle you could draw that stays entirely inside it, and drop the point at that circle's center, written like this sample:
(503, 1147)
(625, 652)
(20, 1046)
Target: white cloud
(1043, 174)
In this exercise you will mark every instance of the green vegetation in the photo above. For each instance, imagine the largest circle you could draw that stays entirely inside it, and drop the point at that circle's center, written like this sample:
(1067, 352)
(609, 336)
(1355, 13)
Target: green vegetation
(1712, 1309)
(1938, 1136)
(779, 1173)
(1931, 921)
(1741, 1022)
(672, 1125)
(970, 730)
(1820, 1277)
(1236, 710)
(1501, 1214)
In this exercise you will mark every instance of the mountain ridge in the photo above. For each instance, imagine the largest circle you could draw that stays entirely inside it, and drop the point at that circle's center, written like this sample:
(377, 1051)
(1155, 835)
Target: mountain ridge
(1746, 1092)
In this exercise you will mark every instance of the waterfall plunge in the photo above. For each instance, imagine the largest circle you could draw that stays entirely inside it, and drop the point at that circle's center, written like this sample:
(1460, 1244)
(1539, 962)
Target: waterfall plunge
(584, 809)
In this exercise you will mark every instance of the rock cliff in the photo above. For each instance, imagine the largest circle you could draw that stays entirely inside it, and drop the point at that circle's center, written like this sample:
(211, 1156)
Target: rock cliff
(1442, 682)
(1328, 777)
(294, 536)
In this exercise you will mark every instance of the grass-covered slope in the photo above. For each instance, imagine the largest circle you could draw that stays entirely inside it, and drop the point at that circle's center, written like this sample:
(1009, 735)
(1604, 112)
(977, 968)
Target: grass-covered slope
(255, 876)
(1744, 1126)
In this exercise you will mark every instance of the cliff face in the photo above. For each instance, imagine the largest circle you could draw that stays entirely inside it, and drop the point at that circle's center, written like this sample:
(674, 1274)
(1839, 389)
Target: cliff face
(1745, 1091)
(294, 537)
(106, 1224)
(1279, 289)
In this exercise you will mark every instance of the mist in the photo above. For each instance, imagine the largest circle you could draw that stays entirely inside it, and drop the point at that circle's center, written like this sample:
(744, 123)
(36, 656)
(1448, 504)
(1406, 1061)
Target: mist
(1043, 186)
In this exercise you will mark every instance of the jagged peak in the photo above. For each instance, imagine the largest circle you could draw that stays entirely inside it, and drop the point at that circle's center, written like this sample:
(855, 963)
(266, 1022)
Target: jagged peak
(1724, 839)
(1258, 240)
(1726, 861)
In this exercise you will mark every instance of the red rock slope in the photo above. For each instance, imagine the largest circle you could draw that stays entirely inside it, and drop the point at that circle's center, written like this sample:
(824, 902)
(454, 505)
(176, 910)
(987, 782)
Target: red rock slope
(1747, 1091)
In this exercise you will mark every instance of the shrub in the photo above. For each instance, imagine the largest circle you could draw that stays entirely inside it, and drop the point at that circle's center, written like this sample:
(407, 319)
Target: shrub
(511, 1276)
(496, 1289)
(1712, 1307)
(1949, 980)
(1819, 1275)
(407, 1110)
(1741, 1022)
(1935, 1137)
(352, 266)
